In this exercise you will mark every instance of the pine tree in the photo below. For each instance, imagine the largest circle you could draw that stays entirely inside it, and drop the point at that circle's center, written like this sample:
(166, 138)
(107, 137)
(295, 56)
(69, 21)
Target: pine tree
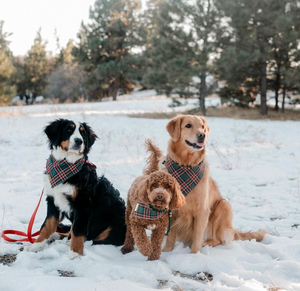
(106, 43)
(6, 67)
(36, 66)
(168, 54)
(258, 37)
(204, 18)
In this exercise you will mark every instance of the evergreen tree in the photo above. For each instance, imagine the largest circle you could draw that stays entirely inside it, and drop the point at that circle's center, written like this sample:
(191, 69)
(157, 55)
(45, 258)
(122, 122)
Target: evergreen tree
(204, 18)
(168, 55)
(286, 56)
(259, 36)
(65, 55)
(36, 66)
(6, 67)
(106, 43)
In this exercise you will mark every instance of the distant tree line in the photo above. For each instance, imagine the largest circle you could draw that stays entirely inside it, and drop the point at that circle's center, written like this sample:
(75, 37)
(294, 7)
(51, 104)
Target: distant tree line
(252, 46)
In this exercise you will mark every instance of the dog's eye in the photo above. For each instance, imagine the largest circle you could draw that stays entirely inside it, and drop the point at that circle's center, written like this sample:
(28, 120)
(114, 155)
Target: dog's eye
(154, 185)
(188, 125)
(202, 126)
(167, 186)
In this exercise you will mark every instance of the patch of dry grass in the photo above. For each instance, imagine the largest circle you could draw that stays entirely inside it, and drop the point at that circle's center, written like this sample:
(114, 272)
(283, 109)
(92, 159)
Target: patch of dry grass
(230, 112)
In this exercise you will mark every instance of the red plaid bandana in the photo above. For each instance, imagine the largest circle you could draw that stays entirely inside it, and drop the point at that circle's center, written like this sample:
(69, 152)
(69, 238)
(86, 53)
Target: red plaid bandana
(188, 177)
(60, 171)
(145, 211)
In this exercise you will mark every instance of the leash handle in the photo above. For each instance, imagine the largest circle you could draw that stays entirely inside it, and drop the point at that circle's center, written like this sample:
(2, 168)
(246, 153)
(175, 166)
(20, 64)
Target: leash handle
(29, 235)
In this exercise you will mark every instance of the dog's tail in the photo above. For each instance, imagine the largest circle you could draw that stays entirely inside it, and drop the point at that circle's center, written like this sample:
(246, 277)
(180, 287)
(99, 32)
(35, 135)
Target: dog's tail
(258, 235)
(153, 159)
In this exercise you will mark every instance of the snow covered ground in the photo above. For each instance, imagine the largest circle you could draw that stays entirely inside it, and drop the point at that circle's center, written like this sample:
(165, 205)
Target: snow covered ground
(255, 163)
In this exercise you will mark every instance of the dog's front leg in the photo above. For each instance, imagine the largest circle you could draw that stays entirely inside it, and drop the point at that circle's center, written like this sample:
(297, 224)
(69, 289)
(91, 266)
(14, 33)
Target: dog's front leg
(78, 234)
(157, 237)
(200, 224)
(141, 240)
(48, 227)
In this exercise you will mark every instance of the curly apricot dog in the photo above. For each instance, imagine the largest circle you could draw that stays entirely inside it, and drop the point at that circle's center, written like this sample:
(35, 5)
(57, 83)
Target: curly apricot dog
(150, 200)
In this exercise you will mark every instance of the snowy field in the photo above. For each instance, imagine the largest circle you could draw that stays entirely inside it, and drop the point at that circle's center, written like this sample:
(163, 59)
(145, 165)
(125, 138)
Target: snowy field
(255, 163)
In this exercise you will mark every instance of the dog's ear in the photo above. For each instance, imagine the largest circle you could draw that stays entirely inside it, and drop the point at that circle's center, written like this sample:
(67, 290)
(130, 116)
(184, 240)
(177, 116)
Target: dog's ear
(178, 199)
(144, 191)
(206, 127)
(53, 132)
(174, 128)
(90, 136)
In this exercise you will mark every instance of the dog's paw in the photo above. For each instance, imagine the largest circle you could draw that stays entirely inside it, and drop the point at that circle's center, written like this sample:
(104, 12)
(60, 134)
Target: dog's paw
(167, 248)
(73, 255)
(126, 250)
(35, 247)
(153, 257)
(146, 252)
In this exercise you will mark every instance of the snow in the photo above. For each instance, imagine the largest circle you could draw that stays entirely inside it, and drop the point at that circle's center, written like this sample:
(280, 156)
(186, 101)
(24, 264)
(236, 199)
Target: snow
(255, 163)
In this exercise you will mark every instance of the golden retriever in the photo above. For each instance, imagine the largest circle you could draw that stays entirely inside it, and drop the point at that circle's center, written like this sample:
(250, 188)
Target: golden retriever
(206, 218)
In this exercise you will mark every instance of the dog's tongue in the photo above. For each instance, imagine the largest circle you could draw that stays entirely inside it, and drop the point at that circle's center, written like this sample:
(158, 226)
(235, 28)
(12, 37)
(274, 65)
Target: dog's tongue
(200, 144)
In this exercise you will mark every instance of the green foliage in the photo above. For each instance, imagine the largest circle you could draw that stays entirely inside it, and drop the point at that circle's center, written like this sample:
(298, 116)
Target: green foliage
(259, 45)
(6, 68)
(105, 46)
(36, 66)
(168, 54)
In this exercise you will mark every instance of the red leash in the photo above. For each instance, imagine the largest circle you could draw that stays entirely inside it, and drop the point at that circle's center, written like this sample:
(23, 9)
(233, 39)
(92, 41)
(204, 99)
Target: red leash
(28, 236)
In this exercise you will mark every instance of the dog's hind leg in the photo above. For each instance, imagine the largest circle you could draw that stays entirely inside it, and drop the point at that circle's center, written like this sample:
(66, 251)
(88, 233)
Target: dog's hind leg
(129, 240)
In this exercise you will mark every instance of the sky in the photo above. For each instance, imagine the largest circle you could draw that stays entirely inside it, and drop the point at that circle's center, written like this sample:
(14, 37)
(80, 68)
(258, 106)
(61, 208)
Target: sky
(23, 18)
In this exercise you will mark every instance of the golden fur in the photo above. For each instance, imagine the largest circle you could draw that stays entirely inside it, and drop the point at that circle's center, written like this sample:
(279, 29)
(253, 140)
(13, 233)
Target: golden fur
(147, 188)
(206, 219)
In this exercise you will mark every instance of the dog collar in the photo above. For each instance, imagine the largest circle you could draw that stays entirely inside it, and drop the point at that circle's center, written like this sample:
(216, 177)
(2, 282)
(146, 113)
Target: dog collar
(188, 177)
(60, 171)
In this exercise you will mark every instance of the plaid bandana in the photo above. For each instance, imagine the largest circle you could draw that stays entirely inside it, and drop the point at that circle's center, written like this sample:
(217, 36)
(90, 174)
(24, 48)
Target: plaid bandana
(60, 171)
(188, 177)
(146, 211)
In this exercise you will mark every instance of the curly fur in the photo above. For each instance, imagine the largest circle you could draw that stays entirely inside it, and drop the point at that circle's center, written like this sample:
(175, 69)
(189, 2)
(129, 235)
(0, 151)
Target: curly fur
(146, 188)
(206, 219)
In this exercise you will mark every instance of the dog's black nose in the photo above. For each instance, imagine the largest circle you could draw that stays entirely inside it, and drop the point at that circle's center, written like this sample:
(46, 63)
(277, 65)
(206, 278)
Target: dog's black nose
(159, 196)
(78, 141)
(201, 135)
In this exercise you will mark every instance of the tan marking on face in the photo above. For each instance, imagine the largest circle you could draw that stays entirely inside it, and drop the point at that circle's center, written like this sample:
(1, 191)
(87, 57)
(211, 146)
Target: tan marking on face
(72, 125)
(103, 235)
(77, 243)
(81, 128)
(48, 229)
(65, 145)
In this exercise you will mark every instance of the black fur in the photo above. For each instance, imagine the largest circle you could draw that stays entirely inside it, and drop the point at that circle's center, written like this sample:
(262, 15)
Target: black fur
(97, 205)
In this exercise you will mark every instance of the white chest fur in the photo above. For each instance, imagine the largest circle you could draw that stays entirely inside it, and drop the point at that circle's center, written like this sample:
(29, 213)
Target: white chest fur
(59, 193)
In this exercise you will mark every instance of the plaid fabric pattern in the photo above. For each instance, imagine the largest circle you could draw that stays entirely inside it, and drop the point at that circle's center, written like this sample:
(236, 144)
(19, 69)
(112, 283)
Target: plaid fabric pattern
(61, 171)
(145, 211)
(187, 177)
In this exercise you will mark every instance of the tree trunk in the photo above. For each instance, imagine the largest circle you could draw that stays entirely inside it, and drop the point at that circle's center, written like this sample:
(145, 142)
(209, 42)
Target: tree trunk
(277, 86)
(283, 99)
(263, 89)
(115, 92)
(202, 93)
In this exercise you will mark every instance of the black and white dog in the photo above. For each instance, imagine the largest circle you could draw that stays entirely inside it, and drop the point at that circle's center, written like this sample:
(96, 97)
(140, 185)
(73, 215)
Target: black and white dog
(93, 205)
